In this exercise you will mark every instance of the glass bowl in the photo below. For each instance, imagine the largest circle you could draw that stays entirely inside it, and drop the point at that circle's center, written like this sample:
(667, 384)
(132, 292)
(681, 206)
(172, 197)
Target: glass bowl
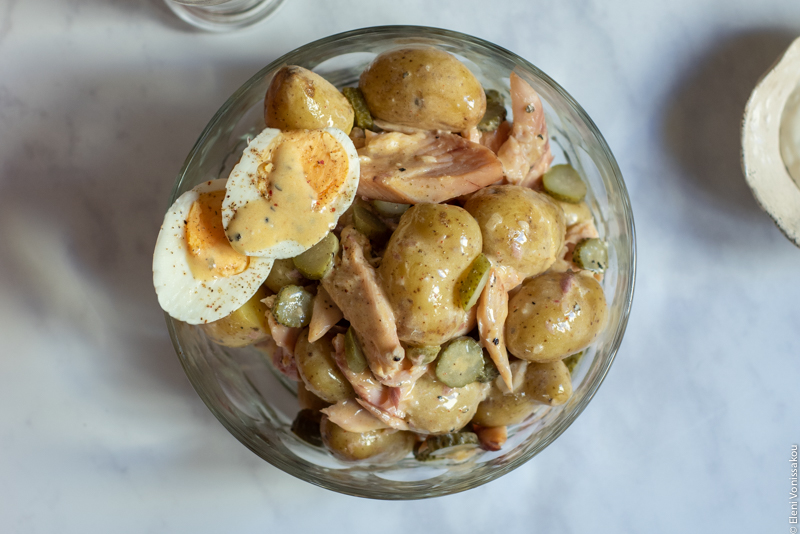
(239, 385)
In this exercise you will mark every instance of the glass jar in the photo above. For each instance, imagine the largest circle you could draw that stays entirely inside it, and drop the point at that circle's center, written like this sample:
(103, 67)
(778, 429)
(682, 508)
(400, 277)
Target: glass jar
(223, 15)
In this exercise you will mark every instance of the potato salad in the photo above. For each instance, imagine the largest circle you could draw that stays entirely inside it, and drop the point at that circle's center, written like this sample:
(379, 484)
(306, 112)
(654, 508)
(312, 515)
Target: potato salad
(404, 250)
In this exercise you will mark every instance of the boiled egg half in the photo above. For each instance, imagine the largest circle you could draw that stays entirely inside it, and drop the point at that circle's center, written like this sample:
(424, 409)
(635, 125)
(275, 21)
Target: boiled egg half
(289, 190)
(198, 276)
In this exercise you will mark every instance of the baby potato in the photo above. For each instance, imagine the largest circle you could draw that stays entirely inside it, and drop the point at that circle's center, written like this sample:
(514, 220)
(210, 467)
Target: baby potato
(423, 87)
(503, 410)
(245, 326)
(555, 315)
(545, 383)
(307, 400)
(378, 446)
(283, 273)
(319, 372)
(299, 99)
(434, 408)
(548, 382)
(424, 259)
(521, 229)
(575, 213)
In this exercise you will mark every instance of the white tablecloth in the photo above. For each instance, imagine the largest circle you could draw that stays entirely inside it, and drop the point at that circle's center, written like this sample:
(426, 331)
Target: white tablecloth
(100, 431)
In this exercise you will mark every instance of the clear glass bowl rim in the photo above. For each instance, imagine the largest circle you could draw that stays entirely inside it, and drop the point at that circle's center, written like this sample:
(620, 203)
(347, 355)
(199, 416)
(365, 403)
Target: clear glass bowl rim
(620, 189)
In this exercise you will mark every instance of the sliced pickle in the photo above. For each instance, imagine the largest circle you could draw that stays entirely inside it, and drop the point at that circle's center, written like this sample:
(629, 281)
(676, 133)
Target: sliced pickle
(473, 281)
(353, 354)
(370, 224)
(572, 361)
(363, 116)
(423, 355)
(293, 306)
(489, 371)
(390, 209)
(460, 362)
(453, 446)
(562, 182)
(591, 254)
(306, 427)
(495, 112)
(283, 273)
(315, 262)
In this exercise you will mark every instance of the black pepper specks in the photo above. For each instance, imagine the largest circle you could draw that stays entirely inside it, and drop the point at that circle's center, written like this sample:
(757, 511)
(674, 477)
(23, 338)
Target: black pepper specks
(530, 108)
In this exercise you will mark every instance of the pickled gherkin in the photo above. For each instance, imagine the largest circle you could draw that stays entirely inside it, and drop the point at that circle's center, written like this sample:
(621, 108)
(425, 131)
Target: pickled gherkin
(591, 254)
(353, 354)
(452, 446)
(563, 182)
(489, 371)
(283, 273)
(473, 282)
(572, 361)
(370, 224)
(363, 116)
(315, 262)
(495, 112)
(423, 355)
(306, 427)
(460, 362)
(293, 307)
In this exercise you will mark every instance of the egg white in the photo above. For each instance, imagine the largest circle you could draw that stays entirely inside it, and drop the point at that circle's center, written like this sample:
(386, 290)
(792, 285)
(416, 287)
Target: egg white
(242, 188)
(181, 295)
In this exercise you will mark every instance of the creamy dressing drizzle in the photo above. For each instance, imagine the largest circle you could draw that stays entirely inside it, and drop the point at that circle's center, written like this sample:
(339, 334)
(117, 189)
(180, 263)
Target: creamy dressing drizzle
(297, 187)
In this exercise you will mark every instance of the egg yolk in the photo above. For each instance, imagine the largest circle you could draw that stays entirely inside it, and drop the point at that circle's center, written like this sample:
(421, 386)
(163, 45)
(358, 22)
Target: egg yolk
(210, 254)
(303, 174)
(324, 163)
